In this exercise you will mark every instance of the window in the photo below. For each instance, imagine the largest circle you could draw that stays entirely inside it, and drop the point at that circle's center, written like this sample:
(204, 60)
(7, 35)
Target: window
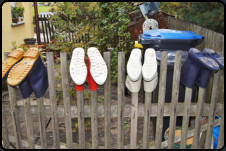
(13, 4)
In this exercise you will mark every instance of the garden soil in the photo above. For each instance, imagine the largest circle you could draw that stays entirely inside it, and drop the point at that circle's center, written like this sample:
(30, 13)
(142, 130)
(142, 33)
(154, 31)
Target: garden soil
(88, 138)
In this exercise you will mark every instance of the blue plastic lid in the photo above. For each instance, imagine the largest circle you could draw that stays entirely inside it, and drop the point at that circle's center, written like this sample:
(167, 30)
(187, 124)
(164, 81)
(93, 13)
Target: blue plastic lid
(170, 34)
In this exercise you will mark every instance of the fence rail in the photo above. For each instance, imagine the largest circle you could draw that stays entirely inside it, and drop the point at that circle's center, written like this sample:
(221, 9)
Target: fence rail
(204, 107)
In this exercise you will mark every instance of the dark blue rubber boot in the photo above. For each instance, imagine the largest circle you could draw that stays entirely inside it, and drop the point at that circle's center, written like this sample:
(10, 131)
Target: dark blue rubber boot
(195, 61)
(38, 78)
(25, 88)
(204, 74)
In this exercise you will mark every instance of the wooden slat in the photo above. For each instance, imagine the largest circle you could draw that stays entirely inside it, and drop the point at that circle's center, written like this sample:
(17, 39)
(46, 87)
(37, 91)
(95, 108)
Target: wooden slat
(198, 119)
(43, 30)
(121, 102)
(94, 120)
(133, 130)
(187, 104)
(169, 18)
(221, 132)
(210, 39)
(49, 27)
(66, 98)
(15, 117)
(47, 37)
(191, 27)
(211, 119)
(161, 99)
(42, 125)
(81, 121)
(175, 94)
(147, 112)
(5, 138)
(29, 125)
(107, 102)
(52, 97)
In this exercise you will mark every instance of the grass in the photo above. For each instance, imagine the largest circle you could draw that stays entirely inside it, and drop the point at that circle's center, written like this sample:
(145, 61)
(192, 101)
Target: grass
(41, 9)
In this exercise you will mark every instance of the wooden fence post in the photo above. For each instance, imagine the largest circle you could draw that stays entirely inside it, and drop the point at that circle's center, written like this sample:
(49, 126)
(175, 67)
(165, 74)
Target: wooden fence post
(174, 100)
(94, 119)
(187, 104)
(147, 113)
(52, 97)
(29, 125)
(133, 130)
(5, 133)
(213, 104)
(66, 97)
(107, 102)
(121, 102)
(41, 121)
(161, 99)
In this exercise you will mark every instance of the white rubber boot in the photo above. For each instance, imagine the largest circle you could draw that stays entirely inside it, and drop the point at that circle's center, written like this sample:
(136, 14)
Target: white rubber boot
(133, 86)
(150, 86)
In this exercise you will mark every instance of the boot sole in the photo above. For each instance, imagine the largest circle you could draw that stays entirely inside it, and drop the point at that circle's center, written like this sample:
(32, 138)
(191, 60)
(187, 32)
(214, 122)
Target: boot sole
(14, 57)
(149, 68)
(134, 66)
(20, 71)
(98, 67)
(78, 70)
(212, 54)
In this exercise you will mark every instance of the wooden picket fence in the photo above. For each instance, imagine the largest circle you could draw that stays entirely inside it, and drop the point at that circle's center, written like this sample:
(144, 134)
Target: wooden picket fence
(48, 30)
(109, 111)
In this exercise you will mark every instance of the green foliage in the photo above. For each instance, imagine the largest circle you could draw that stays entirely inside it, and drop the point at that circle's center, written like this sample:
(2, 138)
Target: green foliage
(15, 12)
(126, 125)
(21, 11)
(21, 46)
(114, 65)
(206, 14)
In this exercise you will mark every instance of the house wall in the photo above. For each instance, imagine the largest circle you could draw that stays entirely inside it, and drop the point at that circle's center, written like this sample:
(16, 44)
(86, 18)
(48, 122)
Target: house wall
(19, 32)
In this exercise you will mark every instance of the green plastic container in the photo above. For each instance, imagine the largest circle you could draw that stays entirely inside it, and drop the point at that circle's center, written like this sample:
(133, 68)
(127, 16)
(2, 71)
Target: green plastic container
(177, 145)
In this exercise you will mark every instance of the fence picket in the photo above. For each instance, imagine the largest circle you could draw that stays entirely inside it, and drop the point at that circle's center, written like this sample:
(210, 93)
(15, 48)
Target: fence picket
(81, 121)
(29, 126)
(15, 117)
(121, 102)
(94, 120)
(133, 130)
(66, 98)
(5, 133)
(41, 121)
(161, 99)
(47, 16)
(52, 97)
(107, 102)
(175, 93)
(221, 132)
(5, 138)
(147, 113)
(47, 37)
(187, 104)
(198, 118)
(43, 30)
(213, 104)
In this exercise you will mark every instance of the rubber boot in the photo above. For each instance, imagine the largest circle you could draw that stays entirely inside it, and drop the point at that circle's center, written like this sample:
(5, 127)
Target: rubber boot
(204, 74)
(25, 88)
(195, 61)
(38, 78)
(13, 58)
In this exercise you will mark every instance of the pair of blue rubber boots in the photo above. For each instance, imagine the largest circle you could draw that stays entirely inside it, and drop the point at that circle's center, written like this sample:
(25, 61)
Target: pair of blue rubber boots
(199, 66)
(29, 73)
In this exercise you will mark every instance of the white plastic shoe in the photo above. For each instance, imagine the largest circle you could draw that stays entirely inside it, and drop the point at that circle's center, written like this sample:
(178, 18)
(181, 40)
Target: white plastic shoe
(98, 67)
(134, 65)
(149, 68)
(78, 69)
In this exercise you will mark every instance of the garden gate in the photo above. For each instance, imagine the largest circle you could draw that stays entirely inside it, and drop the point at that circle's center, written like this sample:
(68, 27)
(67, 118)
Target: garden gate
(159, 110)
